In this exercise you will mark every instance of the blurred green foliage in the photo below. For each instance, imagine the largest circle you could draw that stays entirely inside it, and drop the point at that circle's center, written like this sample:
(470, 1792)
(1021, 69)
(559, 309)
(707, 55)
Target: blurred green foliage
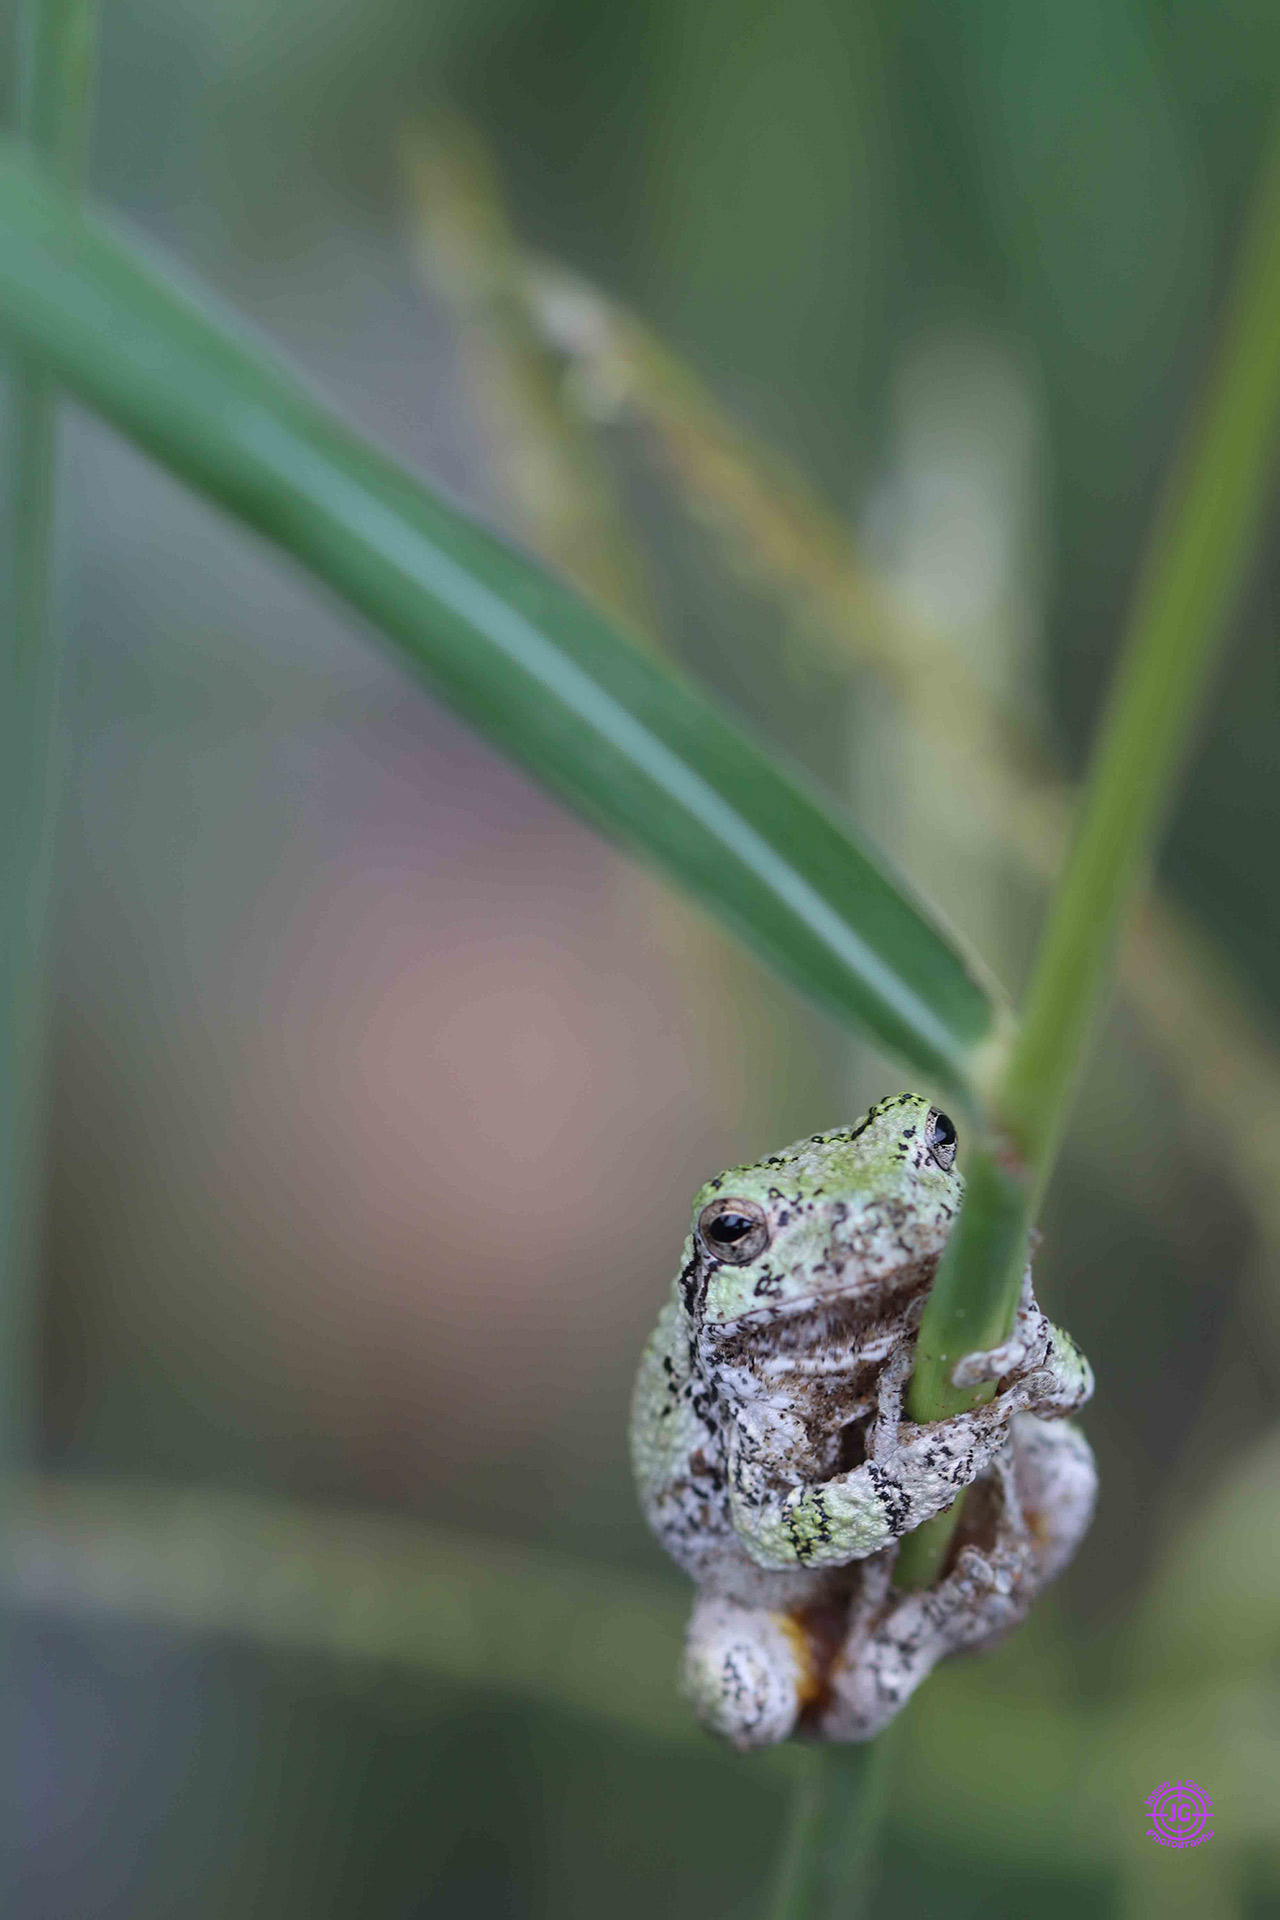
(320, 954)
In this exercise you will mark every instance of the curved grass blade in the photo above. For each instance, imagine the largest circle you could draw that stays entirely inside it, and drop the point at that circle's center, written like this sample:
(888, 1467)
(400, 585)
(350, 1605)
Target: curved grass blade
(639, 751)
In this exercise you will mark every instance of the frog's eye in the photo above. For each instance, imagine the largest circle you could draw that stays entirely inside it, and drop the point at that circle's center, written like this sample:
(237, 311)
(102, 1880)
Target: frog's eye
(733, 1230)
(940, 1139)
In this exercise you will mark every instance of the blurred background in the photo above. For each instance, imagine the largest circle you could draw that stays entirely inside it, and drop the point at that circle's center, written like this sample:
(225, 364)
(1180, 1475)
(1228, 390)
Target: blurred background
(364, 1046)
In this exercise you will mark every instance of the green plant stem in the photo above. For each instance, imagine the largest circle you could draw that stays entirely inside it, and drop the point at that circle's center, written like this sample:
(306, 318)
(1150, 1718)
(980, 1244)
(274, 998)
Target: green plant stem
(825, 1871)
(53, 103)
(1199, 548)
(1194, 563)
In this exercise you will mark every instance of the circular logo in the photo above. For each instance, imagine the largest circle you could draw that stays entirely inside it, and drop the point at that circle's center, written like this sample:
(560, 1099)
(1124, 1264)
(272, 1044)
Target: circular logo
(1179, 1814)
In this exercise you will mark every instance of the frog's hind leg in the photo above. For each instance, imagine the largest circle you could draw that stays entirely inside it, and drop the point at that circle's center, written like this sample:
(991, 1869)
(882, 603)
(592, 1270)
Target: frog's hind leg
(1039, 1500)
(896, 1639)
(1057, 1484)
(746, 1671)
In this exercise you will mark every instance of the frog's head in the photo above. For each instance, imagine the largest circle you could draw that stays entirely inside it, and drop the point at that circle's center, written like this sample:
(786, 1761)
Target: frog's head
(860, 1212)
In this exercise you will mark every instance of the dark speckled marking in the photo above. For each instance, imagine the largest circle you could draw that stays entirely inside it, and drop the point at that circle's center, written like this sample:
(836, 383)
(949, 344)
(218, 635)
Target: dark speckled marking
(689, 1288)
(799, 1545)
(818, 1507)
(897, 1508)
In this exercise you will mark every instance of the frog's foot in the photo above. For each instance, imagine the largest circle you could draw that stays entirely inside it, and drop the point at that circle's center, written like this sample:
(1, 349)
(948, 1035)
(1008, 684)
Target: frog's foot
(1060, 1384)
(1043, 1365)
(745, 1672)
(910, 1457)
(1026, 1348)
(993, 1582)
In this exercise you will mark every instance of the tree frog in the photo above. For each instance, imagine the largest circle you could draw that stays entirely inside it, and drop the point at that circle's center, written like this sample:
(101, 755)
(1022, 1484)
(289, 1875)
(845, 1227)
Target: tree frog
(775, 1466)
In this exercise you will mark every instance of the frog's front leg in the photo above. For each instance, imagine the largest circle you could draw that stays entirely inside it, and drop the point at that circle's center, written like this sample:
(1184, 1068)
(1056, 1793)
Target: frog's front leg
(831, 1522)
(913, 1472)
(745, 1671)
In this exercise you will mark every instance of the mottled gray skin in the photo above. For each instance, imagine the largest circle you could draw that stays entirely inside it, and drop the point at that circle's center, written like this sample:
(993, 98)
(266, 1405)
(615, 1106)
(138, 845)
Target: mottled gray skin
(773, 1462)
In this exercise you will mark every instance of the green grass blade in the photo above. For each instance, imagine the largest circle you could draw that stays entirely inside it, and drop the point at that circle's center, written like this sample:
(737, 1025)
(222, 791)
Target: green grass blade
(521, 656)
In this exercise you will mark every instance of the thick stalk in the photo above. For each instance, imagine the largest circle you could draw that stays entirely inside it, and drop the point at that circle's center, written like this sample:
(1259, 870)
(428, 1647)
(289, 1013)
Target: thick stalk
(52, 119)
(1204, 532)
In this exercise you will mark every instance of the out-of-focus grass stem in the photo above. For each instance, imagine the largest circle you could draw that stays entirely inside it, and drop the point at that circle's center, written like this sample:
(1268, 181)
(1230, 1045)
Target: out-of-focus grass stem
(52, 118)
(547, 462)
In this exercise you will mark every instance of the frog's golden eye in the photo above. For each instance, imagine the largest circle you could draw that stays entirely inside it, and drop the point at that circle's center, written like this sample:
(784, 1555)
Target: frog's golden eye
(940, 1139)
(734, 1231)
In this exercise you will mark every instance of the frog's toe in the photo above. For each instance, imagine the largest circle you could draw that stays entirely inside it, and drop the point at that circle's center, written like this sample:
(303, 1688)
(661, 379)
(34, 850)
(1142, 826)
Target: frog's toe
(1025, 1350)
(1020, 1354)
(743, 1672)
